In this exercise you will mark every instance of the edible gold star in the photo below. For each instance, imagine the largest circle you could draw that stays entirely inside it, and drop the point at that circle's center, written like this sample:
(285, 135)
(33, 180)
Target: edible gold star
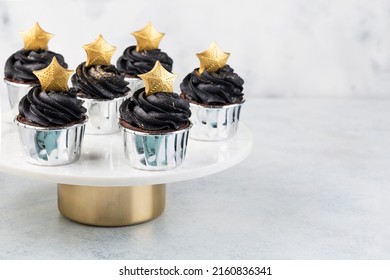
(148, 38)
(36, 38)
(158, 80)
(54, 77)
(212, 59)
(99, 52)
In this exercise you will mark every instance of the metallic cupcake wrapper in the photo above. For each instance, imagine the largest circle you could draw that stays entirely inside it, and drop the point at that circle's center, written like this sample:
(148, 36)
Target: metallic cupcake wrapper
(134, 84)
(155, 151)
(214, 123)
(103, 115)
(51, 146)
(16, 91)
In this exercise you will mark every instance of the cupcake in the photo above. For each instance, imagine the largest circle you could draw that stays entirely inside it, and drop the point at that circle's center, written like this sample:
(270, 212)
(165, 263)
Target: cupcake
(51, 120)
(18, 70)
(141, 58)
(215, 95)
(102, 88)
(155, 123)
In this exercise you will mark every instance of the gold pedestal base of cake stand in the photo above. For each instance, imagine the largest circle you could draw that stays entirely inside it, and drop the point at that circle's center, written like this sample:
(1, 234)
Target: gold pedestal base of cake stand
(111, 206)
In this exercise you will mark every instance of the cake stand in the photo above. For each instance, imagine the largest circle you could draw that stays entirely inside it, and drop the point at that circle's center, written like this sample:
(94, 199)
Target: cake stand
(101, 189)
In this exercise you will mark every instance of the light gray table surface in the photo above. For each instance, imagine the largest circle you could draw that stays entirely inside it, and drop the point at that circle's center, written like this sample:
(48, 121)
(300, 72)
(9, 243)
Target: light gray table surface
(316, 186)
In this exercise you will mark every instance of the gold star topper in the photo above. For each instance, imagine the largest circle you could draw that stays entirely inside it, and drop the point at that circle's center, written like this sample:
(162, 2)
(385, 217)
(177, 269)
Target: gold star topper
(148, 38)
(36, 38)
(54, 77)
(99, 52)
(212, 59)
(158, 80)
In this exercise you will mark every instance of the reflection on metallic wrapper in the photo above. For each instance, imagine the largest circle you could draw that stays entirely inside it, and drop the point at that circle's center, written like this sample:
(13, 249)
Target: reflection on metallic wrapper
(51, 146)
(16, 91)
(103, 115)
(214, 123)
(155, 151)
(134, 84)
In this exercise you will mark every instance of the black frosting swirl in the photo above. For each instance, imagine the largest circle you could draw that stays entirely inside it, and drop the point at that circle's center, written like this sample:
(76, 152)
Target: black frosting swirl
(160, 111)
(99, 82)
(20, 65)
(51, 109)
(219, 88)
(133, 63)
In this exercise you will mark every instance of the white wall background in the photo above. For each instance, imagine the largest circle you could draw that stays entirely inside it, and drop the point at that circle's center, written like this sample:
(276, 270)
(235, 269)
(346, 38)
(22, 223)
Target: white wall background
(282, 48)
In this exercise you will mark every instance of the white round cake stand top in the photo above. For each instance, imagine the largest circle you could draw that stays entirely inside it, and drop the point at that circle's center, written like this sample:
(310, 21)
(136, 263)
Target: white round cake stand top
(102, 162)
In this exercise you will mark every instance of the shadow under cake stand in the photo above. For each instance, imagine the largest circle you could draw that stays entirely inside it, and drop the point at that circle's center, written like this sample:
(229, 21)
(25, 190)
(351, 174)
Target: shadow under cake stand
(101, 188)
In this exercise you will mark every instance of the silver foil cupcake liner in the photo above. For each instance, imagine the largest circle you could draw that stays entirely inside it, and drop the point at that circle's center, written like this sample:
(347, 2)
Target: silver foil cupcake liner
(103, 115)
(214, 123)
(51, 146)
(134, 84)
(155, 151)
(16, 91)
